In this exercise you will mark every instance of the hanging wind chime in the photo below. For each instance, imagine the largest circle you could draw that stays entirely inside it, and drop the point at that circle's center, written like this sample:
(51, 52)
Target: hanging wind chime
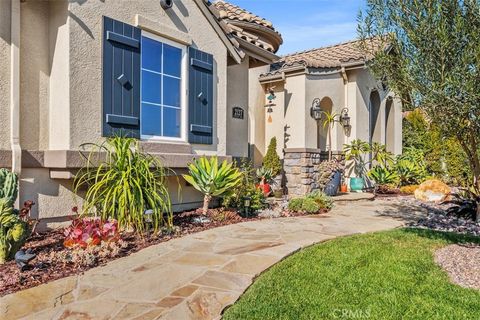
(270, 104)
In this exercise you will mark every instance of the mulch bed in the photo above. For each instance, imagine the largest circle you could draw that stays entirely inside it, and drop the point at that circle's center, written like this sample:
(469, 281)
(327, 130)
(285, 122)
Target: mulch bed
(50, 263)
(461, 264)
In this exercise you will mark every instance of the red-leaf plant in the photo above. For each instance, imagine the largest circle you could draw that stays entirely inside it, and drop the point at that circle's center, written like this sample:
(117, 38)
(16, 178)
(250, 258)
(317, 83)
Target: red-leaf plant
(85, 232)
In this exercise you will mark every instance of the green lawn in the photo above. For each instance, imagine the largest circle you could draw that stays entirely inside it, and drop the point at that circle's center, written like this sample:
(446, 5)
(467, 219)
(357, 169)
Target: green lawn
(387, 275)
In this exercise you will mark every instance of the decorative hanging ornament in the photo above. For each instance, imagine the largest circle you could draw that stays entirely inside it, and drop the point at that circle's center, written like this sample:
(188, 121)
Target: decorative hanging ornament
(269, 119)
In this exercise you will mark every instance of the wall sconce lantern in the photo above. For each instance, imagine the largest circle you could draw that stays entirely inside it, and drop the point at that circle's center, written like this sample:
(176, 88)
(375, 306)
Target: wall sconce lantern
(315, 110)
(345, 119)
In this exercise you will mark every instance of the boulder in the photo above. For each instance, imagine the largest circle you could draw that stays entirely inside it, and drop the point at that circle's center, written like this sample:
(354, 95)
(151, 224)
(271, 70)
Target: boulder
(432, 191)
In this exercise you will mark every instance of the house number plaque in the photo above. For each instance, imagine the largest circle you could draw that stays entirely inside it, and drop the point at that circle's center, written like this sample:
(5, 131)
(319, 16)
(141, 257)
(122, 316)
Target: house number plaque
(238, 113)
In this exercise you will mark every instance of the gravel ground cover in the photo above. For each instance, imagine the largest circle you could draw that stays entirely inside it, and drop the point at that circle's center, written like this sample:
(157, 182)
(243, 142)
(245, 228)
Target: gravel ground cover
(461, 262)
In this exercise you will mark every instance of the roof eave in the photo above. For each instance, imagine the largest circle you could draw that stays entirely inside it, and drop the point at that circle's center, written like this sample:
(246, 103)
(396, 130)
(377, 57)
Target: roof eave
(234, 53)
(257, 52)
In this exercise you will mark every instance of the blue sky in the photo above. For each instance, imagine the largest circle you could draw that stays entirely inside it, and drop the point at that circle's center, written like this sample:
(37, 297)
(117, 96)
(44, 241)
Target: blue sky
(307, 24)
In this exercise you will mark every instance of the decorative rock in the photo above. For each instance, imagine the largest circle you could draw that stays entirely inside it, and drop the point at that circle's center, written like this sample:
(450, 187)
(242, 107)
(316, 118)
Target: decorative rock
(432, 191)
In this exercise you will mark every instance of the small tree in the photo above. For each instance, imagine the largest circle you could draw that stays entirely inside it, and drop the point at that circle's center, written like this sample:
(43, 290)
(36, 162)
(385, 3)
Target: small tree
(272, 160)
(212, 179)
(328, 123)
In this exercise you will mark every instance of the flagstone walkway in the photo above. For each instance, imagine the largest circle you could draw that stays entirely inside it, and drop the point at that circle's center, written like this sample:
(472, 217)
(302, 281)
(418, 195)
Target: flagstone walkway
(197, 276)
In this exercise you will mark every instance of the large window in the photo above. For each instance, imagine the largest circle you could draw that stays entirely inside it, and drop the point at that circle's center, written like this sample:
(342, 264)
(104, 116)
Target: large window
(162, 89)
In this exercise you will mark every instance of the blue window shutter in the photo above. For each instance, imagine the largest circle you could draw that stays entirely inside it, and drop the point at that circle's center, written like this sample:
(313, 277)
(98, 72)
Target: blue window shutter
(121, 79)
(200, 113)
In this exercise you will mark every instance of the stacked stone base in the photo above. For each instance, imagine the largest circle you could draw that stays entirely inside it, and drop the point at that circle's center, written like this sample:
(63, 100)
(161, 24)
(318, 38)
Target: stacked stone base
(302, 170)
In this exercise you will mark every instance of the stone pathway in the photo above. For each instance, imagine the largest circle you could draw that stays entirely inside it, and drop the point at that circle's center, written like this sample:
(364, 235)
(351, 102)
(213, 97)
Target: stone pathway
(197, 276)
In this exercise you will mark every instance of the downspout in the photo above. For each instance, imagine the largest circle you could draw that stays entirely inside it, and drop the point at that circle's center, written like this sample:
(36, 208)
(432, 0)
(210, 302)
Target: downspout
(345, 88)
(15, 88)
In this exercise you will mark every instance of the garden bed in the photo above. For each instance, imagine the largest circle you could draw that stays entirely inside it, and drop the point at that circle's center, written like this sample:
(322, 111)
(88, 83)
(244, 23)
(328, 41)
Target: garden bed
(55, 261)
(52, 260)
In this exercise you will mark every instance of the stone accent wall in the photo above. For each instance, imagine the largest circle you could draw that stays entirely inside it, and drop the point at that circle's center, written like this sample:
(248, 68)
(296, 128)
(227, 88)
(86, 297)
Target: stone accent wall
(301, 170)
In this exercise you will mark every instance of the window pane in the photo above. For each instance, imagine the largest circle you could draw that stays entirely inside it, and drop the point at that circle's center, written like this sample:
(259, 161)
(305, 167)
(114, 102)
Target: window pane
(151, 120)
(172, 60)
(171, 122)
(171, 91)
(151, 87)
(151, 54)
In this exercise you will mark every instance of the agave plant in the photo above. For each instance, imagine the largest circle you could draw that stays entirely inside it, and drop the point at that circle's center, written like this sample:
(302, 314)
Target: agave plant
(409, 172)
(265, 174)
(382, 176)
(122, 183)
(211, 179)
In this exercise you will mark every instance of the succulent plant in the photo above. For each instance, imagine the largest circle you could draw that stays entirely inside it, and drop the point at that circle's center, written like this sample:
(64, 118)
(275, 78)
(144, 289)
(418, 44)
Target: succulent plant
(8, 185)
(13, 231)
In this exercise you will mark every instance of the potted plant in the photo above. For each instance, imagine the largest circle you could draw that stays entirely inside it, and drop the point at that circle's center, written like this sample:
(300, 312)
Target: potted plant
(355, 154)
(330, 176)
(265, 175)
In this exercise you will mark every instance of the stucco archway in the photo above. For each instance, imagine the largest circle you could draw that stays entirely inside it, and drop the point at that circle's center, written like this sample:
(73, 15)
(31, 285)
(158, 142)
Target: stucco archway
(375, 122)
(326, 105)
(390, 125)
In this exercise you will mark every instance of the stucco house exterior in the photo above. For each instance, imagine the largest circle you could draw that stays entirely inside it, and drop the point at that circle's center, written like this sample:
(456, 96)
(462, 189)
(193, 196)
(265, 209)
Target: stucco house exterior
(337, 80)
(188, 79)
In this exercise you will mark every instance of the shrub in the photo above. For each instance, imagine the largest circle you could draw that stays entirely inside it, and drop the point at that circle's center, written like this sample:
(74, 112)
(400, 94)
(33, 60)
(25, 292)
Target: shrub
(85, 232)
(211, 179)
(296, 204)
(272, 160)
(311, 203)
(124, 184)
(235, 197)
(324, 201)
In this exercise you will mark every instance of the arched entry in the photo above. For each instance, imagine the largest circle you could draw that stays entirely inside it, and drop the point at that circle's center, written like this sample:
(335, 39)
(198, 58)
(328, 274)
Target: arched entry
(326, 105)
(375, 122)
(389, 125)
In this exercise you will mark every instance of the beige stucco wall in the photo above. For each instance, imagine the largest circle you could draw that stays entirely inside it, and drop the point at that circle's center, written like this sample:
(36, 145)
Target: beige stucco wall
(320, 86)
(294, 100)
(85, 25)
(34, 75)
(256, 115)
(365, 85)
(5, 34)
(59, 95)
(61, 87)
(237, 96)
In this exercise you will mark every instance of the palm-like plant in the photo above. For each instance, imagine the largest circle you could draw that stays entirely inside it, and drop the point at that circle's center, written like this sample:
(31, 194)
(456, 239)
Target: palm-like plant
(328, 123)
(122, 183)
(211, 179)
(381, 155)
(355, 151)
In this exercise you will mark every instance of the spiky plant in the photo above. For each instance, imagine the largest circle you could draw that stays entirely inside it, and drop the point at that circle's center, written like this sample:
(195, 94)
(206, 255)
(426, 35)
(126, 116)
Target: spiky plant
(211, 179)
(122, 182)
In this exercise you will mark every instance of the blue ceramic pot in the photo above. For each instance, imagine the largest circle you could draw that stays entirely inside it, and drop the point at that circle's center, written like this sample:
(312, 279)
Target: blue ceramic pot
(331, 188)
(357, 184)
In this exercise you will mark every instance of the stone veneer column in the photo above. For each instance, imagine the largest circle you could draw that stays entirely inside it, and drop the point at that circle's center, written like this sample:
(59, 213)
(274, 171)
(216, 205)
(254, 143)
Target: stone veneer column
(301, 168)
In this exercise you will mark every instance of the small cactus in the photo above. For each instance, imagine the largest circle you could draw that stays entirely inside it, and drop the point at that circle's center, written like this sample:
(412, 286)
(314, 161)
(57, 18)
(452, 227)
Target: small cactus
(8, 185)
(13, 230)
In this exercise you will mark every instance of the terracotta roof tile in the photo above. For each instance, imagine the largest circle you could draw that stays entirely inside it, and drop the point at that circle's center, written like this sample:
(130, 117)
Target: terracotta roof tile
(333, 56)
(233, 12)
